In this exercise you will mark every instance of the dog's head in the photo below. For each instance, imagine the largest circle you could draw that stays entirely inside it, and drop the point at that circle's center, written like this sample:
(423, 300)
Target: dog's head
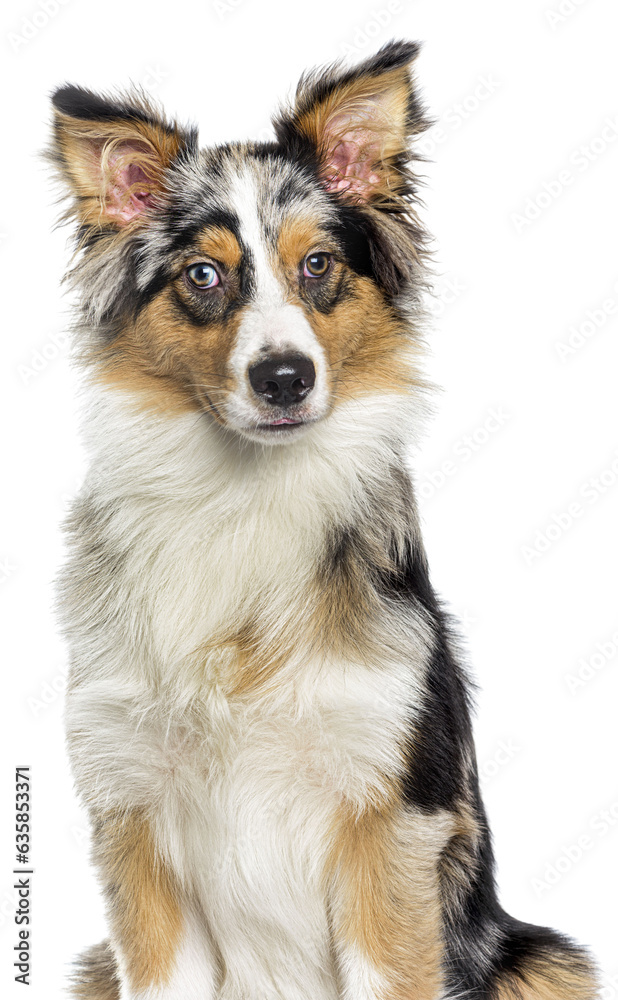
(260, 282)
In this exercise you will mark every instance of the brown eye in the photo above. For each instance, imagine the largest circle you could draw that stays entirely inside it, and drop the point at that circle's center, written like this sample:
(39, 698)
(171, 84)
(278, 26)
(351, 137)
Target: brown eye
(202, 275)
(316, 265)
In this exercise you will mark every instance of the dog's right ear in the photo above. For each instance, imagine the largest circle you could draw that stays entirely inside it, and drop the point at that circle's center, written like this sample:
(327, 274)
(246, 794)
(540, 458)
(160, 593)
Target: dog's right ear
(113, 154)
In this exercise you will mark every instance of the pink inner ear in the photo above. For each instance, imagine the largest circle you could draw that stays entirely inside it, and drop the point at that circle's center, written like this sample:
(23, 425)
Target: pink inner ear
(130, 189)
(349, 165)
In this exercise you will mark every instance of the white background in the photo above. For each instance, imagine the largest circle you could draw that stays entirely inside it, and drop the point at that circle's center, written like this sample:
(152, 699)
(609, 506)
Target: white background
(520, 91)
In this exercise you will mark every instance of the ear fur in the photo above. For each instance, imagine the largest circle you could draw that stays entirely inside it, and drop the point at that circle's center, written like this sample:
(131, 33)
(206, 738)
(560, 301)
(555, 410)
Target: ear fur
(112, 152)
(358, 123)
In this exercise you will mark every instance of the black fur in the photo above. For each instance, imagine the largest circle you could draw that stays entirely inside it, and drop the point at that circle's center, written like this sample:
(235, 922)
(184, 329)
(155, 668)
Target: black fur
(483, 944)
(351, 230)
(313, 89)
(182, 235)
(368, 251)
(442, 738)
(78, 102)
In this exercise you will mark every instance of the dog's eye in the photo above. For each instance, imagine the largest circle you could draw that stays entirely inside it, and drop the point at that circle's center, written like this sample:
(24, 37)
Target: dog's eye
(202, 275)
(316, 265)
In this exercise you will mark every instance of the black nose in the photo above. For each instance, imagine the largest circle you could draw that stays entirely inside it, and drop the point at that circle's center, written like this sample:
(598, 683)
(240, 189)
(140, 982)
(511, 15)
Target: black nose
(283, 380)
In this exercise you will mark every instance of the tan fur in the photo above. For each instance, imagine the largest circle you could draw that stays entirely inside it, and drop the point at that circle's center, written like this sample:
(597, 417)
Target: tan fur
(257, 655)
(343, 117)
(87, 149)
(361, 336)
(298, 236)
(173, 365)
(145, 389)
(345, 610)
(340, 618)
(202, 573)
(218, 244)
(458, 863)
(144, 912)
(364, 344)
(170, 363)
(553, 979)
(386, 896)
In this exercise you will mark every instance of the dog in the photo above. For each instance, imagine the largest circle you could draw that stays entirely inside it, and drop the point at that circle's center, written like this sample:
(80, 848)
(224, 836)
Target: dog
(268, 716)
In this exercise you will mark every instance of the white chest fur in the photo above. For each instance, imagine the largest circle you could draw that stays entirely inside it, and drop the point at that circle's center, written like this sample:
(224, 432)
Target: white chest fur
(242, 795)
(241, 790)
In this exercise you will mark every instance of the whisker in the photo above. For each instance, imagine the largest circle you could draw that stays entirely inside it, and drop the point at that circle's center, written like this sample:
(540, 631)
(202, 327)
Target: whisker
(205, 385)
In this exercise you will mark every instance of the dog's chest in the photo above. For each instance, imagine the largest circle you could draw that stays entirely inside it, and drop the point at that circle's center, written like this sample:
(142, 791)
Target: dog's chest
(322, 734)
(252, 807)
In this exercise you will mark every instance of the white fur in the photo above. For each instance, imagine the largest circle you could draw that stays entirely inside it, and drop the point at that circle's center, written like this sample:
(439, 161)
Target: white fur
(209, 528)
(241, 791)
(244, 196)
(360, 980)
(242, 797)
(270, 325)
(274, 329)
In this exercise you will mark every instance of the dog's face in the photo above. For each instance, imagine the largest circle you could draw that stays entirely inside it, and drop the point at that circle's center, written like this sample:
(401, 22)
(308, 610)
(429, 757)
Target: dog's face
(262, 283)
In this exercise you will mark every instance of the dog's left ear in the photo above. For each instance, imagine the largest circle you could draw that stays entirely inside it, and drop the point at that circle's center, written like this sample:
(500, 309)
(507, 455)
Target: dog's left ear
(358, 123)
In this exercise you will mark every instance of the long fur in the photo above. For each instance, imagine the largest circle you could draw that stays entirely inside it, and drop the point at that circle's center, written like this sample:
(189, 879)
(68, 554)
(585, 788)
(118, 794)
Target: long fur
(268, 717)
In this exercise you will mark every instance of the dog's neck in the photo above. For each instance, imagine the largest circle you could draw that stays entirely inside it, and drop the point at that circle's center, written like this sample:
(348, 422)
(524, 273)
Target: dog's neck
(207, 525)
(135, 451)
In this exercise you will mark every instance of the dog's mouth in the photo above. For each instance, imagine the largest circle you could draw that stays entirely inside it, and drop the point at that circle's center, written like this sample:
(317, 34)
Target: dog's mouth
(279, 426)
(279, 429)
(283, 424)
(260, 423)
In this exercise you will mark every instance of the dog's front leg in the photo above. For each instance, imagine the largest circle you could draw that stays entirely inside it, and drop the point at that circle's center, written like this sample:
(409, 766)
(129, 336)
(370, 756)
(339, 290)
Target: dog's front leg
(384, 905)
(161, 945)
